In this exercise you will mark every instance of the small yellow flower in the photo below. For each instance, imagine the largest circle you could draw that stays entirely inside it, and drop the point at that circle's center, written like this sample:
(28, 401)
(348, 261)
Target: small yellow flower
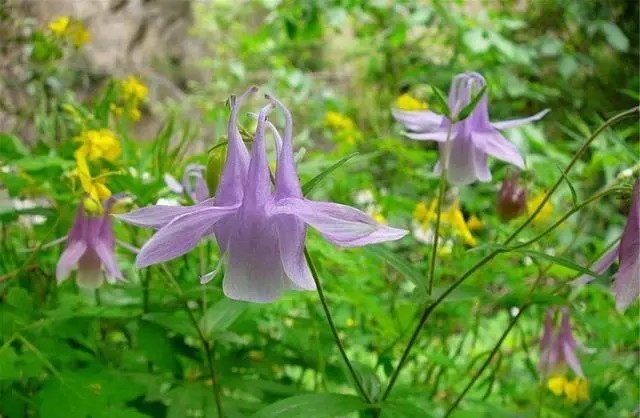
(556, 384)
(133, 89)
(379, 217)
(98, 144)
(474, 223)
(423, 214)
(338, 121)
(134, 114)
(407, 102)
(60, 25)
(577, 390)
(116, 110)
(455, 218)
(546, 211)
(351, 322)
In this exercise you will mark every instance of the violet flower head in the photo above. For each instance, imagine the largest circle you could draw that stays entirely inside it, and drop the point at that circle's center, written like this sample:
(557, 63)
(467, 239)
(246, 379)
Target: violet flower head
(472, 140)
(558, 346)
(193, 183)
(627, 279)
(260, 231)
(90, 249)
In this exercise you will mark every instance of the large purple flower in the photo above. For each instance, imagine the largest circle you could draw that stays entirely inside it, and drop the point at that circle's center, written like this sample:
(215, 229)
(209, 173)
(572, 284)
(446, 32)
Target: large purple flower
(558, 348)
(472, 139)
(90, 248)
(627, 279)
(260, 231)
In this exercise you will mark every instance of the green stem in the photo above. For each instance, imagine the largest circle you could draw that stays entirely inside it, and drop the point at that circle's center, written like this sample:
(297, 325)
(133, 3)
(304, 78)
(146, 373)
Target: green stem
(430, 308)
(203, 340)
(334, 331)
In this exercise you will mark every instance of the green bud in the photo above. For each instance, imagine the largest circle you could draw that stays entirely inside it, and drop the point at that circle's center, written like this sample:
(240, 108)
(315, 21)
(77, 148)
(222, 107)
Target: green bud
(217, 157)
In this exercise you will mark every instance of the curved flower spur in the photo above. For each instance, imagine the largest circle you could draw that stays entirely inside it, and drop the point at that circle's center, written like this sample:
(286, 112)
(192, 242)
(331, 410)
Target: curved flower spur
(260, 231)
(472, 139)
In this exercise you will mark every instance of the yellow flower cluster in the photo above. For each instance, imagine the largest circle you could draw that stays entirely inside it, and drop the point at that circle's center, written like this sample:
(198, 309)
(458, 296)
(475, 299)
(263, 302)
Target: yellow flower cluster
(408, 102)
(545, 213)
(343, 126)
(95, 145)
(70, 29)
(131, 92)
(574, 391)
(451, 218)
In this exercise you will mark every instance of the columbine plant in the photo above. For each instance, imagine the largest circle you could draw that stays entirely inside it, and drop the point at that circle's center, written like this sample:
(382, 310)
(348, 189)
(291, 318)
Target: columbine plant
(465, 145)
(260, 231)
(193, 183)
(90, 249)
(558, 347)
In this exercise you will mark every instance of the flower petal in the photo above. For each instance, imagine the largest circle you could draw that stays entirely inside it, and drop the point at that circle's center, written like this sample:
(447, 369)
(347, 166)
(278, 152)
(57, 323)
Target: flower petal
(180, 235)
(438, 136)
(173, 184)
(497, 146)
(254, 271)
(627, 284)
(513, 123)
(69, 258)
(107, 256)
(341, 225)
(570, 357)
(600, 266)
(291, 237)
(418, 120)
(157, 216)
(89, 274)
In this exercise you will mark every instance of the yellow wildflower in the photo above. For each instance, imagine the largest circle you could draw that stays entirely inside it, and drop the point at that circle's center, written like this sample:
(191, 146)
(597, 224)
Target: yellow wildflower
(72, 29)
(474, 223)
(423, 214)
(455, 218)
(338, 121)
(451, 217)
(134, 114)
(546, 211)
(407, 102)
(577, 390)
(98, 144)
(60, 25)
(556, 384)
(379, 217)
(133, 89)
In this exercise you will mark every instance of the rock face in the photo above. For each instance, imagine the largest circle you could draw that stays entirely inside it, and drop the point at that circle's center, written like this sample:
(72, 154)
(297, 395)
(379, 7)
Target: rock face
(127, 36)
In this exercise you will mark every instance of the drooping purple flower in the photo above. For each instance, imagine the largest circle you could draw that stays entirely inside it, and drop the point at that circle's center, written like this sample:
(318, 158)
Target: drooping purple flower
(260, 231)
(193, 183)
(627, 279)
(90, 249)
(472, 139)
(558, 346)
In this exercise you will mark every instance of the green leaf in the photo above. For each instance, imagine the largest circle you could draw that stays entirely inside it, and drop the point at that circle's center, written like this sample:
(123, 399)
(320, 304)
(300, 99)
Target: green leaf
(558, 260)
(401, 266)
(442, 102)
(221, 315)
(615, 37)
(466, 111)
(11, 147)
(402, 409)
(314, 182)
(318, 405)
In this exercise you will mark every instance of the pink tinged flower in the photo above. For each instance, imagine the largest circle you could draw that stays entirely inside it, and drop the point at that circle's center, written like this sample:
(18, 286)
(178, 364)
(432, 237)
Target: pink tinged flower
(512, 198)
(558, 346)
(260, 231)
(90, 249)
(473, 139)
(193, 183)
(627, 252)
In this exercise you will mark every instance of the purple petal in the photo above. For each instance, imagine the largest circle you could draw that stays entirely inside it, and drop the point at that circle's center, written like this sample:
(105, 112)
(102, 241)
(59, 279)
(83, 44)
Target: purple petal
(69, 258)
(254, 270)
(569, 355)
(341, 225)
(438, 136)
(627, 284)
(418, 120)
(600, 266)
(180, 235)
(513, 123)
(463, 158)
(157, 216)
(497, 146)
(89, 274)
(173, 184)
(628, 277)
(291, 237)
(107, 256)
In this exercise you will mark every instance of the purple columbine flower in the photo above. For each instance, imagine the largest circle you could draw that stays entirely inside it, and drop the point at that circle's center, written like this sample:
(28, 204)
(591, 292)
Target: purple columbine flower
(558, 349)
(472, 139)
(627, 279)
(260, 231)
(90, 249)
(193, 183)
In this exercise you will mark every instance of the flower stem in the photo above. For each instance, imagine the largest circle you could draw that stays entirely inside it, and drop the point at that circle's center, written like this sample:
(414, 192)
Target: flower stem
(334, 331)
(436, 236)
(431, 307)
(203, 340)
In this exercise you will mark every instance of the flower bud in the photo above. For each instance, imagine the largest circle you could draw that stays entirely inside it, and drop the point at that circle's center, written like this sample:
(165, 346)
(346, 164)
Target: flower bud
(512, 198)
(215, 164)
